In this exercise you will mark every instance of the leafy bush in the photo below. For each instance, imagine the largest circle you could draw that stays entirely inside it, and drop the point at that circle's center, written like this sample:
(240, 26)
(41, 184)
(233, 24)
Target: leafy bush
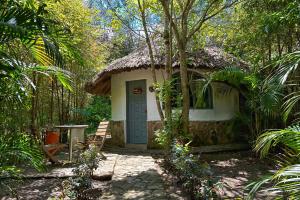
(17, 151)
(285, 180)
(196, 177)
(170, 130)
(99, 109)
(75, 188)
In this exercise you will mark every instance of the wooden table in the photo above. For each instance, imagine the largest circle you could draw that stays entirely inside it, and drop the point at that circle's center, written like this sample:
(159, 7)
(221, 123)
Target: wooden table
(75, 132)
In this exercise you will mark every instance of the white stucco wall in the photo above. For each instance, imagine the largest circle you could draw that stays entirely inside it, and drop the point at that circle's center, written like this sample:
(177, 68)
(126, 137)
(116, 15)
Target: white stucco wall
(225, 99)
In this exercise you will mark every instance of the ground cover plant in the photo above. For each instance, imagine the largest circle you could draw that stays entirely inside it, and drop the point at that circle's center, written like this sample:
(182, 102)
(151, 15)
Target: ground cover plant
(195, 176)
(80, 186)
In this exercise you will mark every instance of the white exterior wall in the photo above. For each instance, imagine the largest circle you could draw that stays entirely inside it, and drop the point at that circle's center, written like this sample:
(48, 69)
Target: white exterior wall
(225, 99)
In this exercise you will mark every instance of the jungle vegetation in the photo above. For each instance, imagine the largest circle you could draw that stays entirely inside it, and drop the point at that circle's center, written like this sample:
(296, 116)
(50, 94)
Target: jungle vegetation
(49, 49)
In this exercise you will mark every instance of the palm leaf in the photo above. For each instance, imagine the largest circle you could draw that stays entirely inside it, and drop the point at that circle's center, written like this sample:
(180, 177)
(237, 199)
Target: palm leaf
(287, 179)
(256, 186)
(290, 137)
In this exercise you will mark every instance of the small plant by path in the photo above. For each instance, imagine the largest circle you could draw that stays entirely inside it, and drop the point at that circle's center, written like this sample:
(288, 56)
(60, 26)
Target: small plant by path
(80, 186)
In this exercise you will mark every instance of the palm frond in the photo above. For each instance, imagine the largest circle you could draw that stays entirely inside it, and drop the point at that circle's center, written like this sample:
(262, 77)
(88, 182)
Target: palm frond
(286, 180)
(16, 22)
(291, 100)
(257, 185)
(287, 66)
(232, 75)
(19, 148)
(290, 137)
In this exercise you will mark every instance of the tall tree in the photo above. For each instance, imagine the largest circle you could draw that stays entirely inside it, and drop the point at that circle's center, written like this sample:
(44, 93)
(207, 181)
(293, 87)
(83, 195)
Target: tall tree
(142, 9)
(186, 20)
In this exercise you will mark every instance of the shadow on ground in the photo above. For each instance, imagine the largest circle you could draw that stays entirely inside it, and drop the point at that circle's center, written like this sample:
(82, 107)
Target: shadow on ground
(145, 185)
(236, 170)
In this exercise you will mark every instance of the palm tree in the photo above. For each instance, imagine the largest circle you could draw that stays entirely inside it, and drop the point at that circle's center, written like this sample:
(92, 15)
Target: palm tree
(286, 180)
(263, 97)
(27, 45)
(27, 41)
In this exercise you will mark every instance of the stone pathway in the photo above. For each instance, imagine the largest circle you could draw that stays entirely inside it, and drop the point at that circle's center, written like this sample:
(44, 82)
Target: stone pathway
(136, 177)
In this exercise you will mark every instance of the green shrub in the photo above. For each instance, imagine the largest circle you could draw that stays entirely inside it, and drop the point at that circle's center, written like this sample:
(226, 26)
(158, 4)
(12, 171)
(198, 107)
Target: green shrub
(18, 151)
(171, 130)
(196, 177)
(98, 109)
(76, 187)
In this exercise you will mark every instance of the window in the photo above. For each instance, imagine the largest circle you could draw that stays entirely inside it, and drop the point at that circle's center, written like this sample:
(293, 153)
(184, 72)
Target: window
(198, 98)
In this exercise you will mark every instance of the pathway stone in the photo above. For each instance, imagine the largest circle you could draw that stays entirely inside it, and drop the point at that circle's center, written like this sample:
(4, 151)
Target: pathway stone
(136, 177)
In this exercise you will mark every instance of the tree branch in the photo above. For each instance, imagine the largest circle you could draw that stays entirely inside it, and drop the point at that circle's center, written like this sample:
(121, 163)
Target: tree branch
(205, 17)
(199, 23)
(168, 15)
(221, 9)
(143, 16)
(180, 4)
(123, 21)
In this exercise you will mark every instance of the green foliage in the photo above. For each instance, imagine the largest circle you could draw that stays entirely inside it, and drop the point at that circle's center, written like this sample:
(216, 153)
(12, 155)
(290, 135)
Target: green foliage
(286, 72)
(18, 150)
(97, 110)
(196, 177)
(172, 127)
(26, 46)
(285, 180)
(169, 131)
(75, 188)
(263, 96)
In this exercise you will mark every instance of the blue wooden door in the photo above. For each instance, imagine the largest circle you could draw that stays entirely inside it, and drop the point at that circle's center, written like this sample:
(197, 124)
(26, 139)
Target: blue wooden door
(136, 112)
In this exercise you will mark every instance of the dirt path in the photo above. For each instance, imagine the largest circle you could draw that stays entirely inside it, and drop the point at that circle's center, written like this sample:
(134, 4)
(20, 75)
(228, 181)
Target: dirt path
(236, 171)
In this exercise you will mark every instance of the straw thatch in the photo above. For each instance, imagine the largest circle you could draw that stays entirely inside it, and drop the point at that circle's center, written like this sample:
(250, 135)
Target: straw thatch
(210, 58)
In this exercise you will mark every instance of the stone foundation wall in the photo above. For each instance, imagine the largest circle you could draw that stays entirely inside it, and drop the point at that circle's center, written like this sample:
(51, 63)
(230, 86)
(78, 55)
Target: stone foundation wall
(117, 134)
(211, 133)
(203, 133)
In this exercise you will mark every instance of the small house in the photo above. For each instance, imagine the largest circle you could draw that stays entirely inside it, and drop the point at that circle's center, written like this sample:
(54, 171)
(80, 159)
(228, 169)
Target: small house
(135, 118)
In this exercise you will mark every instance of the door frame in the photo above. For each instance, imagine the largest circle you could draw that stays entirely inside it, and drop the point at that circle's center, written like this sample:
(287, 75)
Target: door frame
(127, 112)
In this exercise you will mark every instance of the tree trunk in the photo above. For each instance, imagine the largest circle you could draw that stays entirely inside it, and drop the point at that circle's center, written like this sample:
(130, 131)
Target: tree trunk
(290, 41)
(143, 16)
(279, 45)
(168, 45)
(184, 88)
(62, 105)
(33, 125)
(52, 102)
(58, 102)
(68, 116)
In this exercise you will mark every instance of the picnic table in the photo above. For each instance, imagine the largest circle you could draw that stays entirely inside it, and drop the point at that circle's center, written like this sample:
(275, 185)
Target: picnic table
(75, 134)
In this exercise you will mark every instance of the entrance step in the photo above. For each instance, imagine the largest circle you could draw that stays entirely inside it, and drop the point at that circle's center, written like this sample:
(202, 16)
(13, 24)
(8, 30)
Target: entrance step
(136, 146)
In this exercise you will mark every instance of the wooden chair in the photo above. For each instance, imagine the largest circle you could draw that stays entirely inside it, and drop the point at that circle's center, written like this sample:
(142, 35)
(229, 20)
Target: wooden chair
(51, 149)
(100, 136)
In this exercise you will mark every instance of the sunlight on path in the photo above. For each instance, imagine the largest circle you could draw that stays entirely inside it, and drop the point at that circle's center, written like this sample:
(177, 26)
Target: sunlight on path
(136, 177)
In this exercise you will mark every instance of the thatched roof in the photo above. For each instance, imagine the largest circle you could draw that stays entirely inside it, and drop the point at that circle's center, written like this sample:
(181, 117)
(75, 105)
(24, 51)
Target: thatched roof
(210, 58)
